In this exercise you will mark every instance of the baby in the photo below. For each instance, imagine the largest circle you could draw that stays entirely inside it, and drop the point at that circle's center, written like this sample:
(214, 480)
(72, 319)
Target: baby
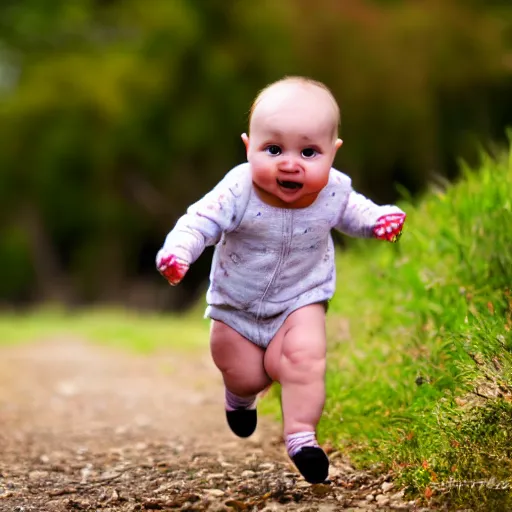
(273, 268)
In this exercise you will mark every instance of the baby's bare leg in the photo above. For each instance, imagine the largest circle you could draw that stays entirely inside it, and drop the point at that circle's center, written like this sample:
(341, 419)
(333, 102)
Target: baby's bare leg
(296, 359)
(241, 364)
(239, 360)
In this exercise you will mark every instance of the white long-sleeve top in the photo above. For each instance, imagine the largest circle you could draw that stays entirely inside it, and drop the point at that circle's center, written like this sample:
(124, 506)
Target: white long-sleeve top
(269, 261)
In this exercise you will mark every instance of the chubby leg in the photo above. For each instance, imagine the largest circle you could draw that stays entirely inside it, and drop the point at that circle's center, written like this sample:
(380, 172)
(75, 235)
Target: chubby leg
(239, 360)
(296, 359)
(241, 364)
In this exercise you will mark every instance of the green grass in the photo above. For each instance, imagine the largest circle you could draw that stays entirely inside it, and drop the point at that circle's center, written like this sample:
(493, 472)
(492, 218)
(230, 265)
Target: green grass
(142, 332)
(422, 380)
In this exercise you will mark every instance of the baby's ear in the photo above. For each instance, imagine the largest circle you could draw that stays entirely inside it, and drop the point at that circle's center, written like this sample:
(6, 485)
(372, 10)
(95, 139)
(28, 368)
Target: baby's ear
(337, 144)
(245, 138)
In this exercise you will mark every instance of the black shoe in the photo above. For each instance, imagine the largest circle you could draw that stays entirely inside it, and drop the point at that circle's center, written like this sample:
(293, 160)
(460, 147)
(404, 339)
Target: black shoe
(313, 464)
(242, 421)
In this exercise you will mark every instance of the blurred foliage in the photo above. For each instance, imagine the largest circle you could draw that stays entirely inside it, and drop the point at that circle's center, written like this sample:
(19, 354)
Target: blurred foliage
(114, 116)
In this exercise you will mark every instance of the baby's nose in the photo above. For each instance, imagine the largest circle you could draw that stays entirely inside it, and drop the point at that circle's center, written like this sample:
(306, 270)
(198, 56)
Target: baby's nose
(288, 164)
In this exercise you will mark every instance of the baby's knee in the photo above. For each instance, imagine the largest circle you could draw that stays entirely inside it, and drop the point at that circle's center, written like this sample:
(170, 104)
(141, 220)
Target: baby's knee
(303, 360)
(303, 348)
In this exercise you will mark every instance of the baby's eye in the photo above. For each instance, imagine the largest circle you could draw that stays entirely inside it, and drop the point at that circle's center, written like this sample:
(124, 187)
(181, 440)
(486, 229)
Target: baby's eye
(309, 152)
(273, 150)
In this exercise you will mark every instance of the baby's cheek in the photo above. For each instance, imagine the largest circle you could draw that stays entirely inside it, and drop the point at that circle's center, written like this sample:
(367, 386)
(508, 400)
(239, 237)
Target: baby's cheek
(317, 179)
(261, 173)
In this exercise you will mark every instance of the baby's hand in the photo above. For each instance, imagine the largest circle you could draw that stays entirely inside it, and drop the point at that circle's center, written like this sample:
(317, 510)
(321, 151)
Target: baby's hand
(389, 227)
(171, 267)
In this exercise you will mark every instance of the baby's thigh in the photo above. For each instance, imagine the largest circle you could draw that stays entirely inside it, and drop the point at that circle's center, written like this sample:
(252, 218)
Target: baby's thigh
(232, 352)
(301, 339)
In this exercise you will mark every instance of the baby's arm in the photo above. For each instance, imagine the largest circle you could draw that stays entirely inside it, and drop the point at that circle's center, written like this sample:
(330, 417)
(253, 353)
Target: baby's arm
(361, 217)
(201, 226)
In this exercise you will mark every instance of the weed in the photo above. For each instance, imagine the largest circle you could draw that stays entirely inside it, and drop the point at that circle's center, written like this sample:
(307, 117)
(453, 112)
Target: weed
(421, 381)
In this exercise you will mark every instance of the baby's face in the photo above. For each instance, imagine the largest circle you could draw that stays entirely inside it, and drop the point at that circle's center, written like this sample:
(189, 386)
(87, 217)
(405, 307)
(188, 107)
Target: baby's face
(292, 144)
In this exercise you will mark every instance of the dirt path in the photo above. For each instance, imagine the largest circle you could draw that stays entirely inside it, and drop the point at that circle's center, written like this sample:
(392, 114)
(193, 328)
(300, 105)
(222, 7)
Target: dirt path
(87, 428)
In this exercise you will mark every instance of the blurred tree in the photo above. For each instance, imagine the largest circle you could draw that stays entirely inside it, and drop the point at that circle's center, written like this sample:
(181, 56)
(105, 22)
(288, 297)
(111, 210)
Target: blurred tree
(115, 116)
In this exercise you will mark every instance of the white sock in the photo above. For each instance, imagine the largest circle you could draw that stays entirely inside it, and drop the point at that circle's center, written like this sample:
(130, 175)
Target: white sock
(295, 442)
(235, 402)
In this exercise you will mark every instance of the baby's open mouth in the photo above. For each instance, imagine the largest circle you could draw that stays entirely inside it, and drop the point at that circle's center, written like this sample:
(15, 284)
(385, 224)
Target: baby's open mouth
(292, 185)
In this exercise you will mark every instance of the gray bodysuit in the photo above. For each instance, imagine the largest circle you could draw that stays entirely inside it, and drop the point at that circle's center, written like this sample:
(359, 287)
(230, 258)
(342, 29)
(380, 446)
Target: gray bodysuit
(269, 261)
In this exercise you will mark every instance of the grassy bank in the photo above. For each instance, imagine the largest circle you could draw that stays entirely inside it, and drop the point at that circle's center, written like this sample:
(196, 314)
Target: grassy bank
(420, 374)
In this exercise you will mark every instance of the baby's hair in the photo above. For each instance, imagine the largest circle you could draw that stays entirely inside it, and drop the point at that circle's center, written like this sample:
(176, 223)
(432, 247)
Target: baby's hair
(297, 80)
